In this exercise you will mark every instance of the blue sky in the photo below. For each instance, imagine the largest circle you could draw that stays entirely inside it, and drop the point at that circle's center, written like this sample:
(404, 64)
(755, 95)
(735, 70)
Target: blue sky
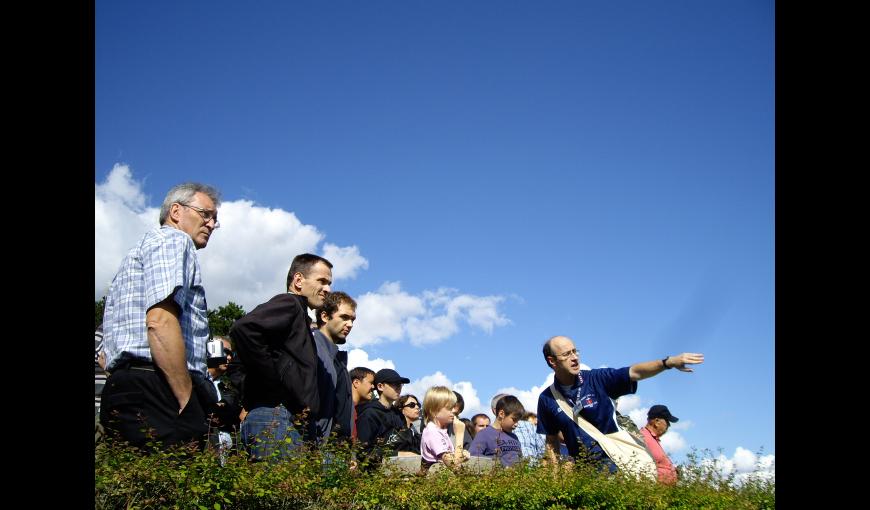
(485, 174)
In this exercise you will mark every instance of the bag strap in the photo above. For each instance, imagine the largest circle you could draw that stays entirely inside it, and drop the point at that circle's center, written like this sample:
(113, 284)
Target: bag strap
(587, 427)
(638, 461)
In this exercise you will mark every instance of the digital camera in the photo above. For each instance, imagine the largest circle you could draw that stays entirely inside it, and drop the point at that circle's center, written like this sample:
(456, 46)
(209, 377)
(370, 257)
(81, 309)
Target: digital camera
(216, 354)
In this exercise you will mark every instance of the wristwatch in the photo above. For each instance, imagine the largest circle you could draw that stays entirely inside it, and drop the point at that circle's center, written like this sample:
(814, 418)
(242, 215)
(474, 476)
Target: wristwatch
(665, 364)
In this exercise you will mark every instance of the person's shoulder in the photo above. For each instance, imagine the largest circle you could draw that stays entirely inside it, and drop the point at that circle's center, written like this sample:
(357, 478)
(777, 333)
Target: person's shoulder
(166, 236)
(284, 300)
(523, 426)
(604, 371)
(546, 394)
(321, 341)
(487, 433)
(365, 408)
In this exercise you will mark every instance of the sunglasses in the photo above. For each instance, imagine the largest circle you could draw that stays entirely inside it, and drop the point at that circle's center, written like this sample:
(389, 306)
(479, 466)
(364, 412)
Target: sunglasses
(412, 405)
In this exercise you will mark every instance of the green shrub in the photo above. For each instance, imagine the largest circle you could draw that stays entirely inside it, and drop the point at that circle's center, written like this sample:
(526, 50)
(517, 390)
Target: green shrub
(182, 478)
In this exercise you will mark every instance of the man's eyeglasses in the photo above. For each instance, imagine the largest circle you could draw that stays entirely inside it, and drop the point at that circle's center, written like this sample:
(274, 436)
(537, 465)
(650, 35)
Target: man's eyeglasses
(412, 405)
(205, 214)
(228, 352)
(567, 355)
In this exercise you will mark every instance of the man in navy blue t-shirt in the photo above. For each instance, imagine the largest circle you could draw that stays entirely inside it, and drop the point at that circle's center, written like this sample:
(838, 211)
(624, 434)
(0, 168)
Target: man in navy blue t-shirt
(589, 393)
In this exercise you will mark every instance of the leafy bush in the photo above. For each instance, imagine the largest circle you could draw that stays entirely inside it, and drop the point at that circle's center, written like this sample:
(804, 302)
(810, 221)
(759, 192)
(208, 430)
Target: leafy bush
(183, 478)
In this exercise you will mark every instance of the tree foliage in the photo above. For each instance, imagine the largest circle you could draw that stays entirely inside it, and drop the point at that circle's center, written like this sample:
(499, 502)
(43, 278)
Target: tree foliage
(221, 320)
(99, 307)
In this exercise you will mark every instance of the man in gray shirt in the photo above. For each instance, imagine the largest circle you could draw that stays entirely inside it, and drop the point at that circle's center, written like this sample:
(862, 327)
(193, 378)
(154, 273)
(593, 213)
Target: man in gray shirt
(334, 321)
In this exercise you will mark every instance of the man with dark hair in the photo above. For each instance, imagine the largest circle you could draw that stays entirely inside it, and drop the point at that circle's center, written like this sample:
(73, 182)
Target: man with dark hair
(362, 381)
(479, 422)
(658, 421)
(334, 321)
(155, 328)
(589, 394)
(276, 345)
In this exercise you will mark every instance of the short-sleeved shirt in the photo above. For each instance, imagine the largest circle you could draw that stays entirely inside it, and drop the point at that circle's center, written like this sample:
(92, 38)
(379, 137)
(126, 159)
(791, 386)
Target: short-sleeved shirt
(434, 442)
(491, 442)
(667, 473)
(163, 264)
(593, 398)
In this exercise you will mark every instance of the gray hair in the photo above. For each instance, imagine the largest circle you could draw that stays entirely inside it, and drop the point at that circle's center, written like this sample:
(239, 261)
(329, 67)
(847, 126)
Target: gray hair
(495, 399)
(183, 193)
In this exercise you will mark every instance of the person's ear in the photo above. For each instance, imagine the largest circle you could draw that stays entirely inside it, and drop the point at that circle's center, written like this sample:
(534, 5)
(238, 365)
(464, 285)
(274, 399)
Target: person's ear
(297, 280)
(175, 212)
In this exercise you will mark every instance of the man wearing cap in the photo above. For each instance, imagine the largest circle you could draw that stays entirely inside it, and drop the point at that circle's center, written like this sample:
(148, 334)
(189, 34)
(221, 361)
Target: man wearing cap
(658, 420)
(378, 422)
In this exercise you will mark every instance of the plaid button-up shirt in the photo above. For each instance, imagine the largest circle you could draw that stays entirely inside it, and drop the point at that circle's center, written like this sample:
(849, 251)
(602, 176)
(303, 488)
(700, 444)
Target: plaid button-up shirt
(163, 264)
(531, 442)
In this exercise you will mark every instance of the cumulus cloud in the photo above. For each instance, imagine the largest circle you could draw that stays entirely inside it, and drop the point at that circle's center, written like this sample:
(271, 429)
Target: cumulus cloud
(529, 398)
(120, 219)
(473, 405)
(673, 442)
(628, 403)
(360, 358)
(391, 314)
(743, 465)
(346, 261)
(246, 260)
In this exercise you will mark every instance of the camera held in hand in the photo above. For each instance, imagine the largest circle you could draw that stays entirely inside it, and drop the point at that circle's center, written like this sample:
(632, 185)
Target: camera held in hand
(216, 354)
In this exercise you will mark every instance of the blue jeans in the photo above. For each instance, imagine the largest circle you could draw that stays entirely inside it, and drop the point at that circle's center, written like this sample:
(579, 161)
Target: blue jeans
(268, 433)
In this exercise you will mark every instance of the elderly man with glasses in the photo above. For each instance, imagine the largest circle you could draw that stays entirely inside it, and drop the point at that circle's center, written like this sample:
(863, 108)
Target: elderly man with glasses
(155, 328)
(589, 394)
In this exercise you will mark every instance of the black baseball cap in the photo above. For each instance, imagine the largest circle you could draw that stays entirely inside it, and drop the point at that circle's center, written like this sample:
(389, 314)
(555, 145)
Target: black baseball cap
(388, 375)
(660, 411)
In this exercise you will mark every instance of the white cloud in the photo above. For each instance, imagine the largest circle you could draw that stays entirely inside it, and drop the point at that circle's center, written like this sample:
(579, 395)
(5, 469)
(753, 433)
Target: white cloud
(346, 262)
(744, 465)
(419, 386)
(673, 442)
(246, 260)
(627, 403)
(529, 398)
(473, 406)
(391, 314)
(120, 219)
(360, 358)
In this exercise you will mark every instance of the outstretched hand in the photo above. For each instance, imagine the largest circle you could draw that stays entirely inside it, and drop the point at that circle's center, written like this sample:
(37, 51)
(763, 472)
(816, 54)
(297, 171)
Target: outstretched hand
(687, 358)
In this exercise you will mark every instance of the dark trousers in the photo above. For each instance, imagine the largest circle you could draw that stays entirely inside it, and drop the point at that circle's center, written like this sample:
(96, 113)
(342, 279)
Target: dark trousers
(138, 405)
